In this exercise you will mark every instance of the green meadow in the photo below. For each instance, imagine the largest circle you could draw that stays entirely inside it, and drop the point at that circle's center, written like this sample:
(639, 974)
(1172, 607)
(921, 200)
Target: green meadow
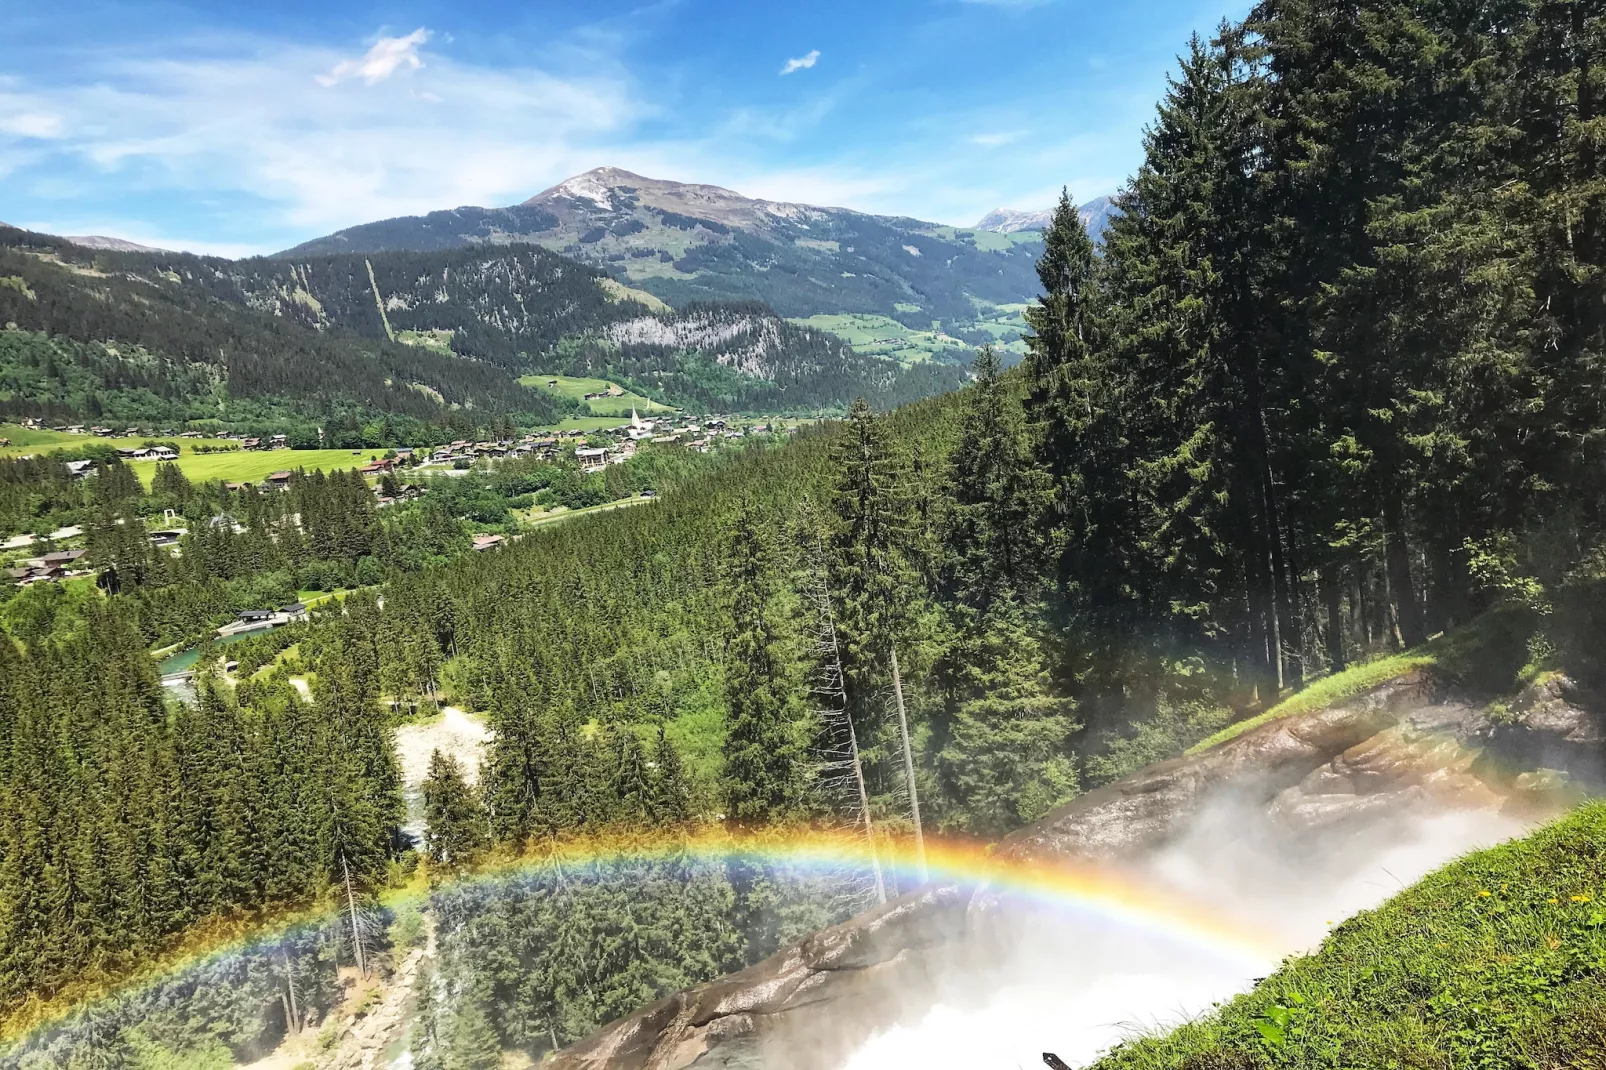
(27, 440)
(577, 387)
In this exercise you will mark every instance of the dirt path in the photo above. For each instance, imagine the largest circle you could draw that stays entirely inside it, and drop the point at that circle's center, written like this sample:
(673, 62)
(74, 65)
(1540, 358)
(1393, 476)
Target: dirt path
(456, 732)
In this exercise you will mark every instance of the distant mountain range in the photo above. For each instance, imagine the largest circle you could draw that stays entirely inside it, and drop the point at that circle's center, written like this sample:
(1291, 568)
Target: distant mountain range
(685, 242)
(1096, 215)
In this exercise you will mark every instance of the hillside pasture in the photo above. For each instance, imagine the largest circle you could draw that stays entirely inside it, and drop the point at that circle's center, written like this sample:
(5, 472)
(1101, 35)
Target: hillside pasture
(577, 387)
(873, 335)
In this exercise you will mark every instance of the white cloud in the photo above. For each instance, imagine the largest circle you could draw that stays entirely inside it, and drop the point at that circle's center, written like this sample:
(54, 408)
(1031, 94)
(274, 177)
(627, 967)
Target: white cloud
(802, 63)
(381, 61)
(997, 138)
(252, 119)
(32, 124)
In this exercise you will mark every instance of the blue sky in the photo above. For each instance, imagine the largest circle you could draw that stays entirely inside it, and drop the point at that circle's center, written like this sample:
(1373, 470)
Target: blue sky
(242, 128)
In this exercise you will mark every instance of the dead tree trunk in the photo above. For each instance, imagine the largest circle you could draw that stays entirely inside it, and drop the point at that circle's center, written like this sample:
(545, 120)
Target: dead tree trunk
(908, 763)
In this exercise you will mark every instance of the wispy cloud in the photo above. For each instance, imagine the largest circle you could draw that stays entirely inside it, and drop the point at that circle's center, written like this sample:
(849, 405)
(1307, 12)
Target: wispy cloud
(802, 63)
(31, 124)
(388, 55)
(996, 138)
(247, 118)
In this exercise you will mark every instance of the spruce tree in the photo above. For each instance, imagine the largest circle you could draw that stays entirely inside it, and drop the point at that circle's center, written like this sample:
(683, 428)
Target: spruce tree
(454, 824)
(764, 774)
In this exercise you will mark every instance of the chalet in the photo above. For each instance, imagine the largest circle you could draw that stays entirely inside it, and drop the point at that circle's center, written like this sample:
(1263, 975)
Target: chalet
(592, 459)
(167, 537)
(60, 558)
(134, 454)
(191, 434)
(294, 611)
(163, 453)
(278, 442)
(132, 432)
(248, 616)
(102, 432)
(26, 575)
(79, 469)
(31, 422)
(377, 468)
(251, 444)
(280, 479)
(487, 542)
(239, 486)
(405, 453)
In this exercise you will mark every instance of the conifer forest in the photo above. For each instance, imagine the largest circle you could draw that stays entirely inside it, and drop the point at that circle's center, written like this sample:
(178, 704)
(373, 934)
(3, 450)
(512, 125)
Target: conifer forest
(1331, 383)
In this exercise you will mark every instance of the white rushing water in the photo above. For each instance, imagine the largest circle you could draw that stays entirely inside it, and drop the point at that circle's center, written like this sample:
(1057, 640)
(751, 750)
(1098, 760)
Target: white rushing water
(1082, 985)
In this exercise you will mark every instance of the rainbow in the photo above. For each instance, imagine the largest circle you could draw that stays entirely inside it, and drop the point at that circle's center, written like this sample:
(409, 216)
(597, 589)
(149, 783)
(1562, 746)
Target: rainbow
(1106, 896)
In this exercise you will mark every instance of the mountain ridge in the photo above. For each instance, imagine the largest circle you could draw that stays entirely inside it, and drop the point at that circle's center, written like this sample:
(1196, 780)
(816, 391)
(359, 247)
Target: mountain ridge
(688, 242)
(1096, 215)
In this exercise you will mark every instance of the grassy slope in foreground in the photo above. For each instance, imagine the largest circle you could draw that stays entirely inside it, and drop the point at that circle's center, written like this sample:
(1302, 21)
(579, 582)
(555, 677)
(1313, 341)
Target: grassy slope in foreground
(1496, 960)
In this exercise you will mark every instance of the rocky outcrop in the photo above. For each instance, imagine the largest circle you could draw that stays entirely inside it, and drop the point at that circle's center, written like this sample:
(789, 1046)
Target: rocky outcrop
(1403, 745)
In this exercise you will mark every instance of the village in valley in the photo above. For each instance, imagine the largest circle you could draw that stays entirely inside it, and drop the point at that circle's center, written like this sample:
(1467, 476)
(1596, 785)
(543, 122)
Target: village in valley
(394, 475)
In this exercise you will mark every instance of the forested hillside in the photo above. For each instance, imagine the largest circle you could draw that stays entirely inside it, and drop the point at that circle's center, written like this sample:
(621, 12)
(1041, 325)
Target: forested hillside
(93, 333)
(1333, 385)
(421, 335)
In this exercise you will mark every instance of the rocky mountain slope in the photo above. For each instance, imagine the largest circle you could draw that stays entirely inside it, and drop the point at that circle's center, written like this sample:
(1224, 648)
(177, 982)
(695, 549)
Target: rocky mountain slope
(1096, 215)
(1405, 746)
(528, 309)
(686, 242)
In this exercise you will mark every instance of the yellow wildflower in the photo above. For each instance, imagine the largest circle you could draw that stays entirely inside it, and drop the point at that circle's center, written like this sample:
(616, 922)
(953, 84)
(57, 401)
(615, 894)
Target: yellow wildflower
(1483, 893)
(1580, 898)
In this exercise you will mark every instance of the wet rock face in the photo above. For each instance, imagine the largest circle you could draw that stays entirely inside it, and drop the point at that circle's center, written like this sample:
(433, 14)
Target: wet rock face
(1401, 746)
(1553, 724)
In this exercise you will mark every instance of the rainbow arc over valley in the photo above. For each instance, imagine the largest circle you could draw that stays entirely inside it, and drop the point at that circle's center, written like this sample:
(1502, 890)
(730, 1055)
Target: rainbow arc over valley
(1108, 896)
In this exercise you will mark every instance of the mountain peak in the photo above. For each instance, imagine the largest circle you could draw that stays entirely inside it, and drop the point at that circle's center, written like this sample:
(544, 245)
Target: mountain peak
(608, 187)
(1010, 220)
(1096, 215)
